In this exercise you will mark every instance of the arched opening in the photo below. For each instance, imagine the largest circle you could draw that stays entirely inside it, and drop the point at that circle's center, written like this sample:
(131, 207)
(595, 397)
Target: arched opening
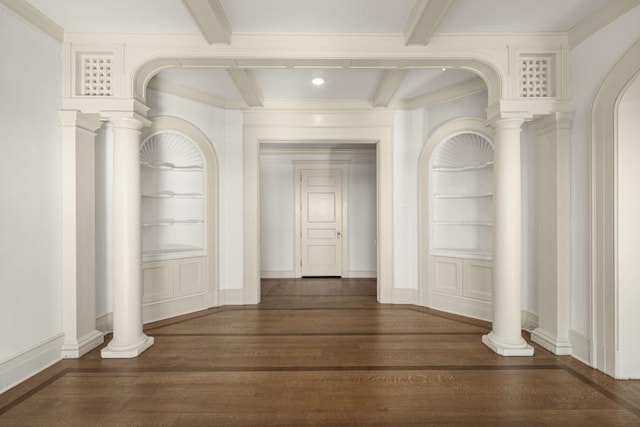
(455, 199)
(179, 191)
(614, 212)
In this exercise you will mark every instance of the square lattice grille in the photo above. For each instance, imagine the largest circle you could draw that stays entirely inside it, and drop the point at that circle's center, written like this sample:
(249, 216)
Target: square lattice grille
(535, 77)
(97, 75)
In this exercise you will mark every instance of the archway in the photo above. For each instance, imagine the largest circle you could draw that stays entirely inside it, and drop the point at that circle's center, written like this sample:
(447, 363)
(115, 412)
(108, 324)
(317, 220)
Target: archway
(613, 205)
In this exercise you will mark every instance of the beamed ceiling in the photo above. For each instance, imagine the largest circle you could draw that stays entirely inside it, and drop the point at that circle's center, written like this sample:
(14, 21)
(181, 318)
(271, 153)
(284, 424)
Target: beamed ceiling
(418, 21)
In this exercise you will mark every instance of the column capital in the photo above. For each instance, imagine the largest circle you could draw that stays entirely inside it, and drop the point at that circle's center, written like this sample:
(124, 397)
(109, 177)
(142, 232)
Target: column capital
(75, 118)
(128, 122)
(507, 123)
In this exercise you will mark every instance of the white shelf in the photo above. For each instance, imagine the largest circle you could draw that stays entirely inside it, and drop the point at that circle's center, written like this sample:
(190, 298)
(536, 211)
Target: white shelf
(463, 168)
(462, 196)
(170, 222)
(172, 195)
(171, 167)
(465, 223)
(462, 253)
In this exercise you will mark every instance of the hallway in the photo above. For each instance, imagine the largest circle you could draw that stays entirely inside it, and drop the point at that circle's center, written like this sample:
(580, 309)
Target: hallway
(321, 352)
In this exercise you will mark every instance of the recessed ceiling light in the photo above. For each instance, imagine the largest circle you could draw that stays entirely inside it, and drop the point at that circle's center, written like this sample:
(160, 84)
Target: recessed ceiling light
(318, 81)
(444, 69)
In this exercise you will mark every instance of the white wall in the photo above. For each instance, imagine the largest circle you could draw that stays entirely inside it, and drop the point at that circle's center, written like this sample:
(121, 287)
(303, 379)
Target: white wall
(590, 62)
(31, 188)
(277, 210)
(411, 130)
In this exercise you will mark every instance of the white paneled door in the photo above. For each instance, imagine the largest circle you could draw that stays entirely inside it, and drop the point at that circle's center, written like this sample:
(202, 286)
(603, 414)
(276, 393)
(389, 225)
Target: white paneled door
(321, 222)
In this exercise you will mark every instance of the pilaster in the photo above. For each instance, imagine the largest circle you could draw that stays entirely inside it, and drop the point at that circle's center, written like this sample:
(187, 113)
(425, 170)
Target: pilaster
(506, 335)
(554, 232)
(78, 233)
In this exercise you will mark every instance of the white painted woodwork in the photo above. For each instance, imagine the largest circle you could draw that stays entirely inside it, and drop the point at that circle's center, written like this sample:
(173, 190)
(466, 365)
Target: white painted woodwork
(424, 20)
(172, 279)
(321, 221)
(387, 87)
(211, 20)
(78, 233)
(247, 86)
(628, 229)
(128, 338)
(447, 275)
(36, 18)
(598, 19)
(554, 233)
(505, 337)
(477, 279)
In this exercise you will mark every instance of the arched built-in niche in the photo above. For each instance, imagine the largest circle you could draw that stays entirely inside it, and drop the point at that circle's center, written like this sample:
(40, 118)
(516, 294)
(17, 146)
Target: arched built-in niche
(456, 218)
(614, 226)
(179, 174)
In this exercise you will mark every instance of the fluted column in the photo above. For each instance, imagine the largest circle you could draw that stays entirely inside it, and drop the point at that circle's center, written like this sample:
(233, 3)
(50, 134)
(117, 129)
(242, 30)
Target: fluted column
(128, 338)
(505, 337)
(78, 233)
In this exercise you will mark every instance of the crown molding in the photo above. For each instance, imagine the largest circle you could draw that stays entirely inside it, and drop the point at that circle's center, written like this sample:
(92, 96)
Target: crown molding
(440, 96)
(210, 18)
(599, 19)
(160, 85)
(308, 151)
(424, 20)
(33, 16)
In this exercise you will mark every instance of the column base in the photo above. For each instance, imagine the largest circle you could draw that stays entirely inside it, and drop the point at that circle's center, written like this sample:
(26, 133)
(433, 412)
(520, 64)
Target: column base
(507, 349)
(126, 352)
(74, 349)
(551, 343)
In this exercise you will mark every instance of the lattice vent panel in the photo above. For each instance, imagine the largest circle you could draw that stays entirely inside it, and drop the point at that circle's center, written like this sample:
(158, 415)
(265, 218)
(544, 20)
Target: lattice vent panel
(536, 76)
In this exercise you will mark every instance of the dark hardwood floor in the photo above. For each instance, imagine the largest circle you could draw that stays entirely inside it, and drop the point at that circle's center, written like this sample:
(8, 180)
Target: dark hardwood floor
(321, 352)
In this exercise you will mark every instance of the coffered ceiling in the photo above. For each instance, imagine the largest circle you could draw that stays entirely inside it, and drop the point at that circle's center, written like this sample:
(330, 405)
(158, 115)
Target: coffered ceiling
(412, 21)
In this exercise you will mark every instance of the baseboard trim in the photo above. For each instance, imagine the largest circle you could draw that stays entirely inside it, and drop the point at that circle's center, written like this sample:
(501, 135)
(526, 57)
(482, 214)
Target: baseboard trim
(28, 363)
(231, 297)
(160, 310)
(581, 347)
(404, 296)
(77, 348)
(104, 323)
(529, 320)
(455, 304)
(360, 274)
(278, 274)
(560, 347)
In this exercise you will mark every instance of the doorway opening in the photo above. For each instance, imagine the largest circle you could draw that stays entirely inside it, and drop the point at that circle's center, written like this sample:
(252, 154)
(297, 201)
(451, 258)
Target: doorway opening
(318, 210)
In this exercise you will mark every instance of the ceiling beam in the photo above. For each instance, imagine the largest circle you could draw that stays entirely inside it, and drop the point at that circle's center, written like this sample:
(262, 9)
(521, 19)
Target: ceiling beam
(33, 16)
(247, 85)
(388, 86)
(211, 19)
(424, 20)
(600, 18)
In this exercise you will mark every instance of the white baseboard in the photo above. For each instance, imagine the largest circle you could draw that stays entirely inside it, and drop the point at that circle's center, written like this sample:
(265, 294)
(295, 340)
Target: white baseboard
(26, 364)
(549, 341)
(455, 304)
(359, 274)
(231, 297)
(104, 323)
(160, 310)
(581, 346)
(75, 349)
(404, 296)
(278, 274)
(529, 320)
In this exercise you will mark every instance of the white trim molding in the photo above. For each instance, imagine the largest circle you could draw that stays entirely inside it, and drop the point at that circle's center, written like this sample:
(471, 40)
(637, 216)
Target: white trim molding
(278, 274)
(104, 323)
(529, 320)
(359, 274)
(29, 362)
(581, 346)
(440, 96)
(424, 20)
(211, 20)
(388, 86)
(405, 296)
(599, 19)
(231, 297)
(33, 16)
(165, 86)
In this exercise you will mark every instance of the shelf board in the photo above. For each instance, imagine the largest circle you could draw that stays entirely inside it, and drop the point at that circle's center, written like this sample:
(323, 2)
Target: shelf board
(466, 223)
(169, 222)
(463, 168)
(172, 195)
(463, 253)
(166, 251)
(171, 167)
(462, 196)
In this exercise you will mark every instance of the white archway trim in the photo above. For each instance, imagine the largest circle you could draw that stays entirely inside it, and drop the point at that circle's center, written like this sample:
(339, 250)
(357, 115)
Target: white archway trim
(346, 126)
(177, 125)
(604, 204)
(451, 128)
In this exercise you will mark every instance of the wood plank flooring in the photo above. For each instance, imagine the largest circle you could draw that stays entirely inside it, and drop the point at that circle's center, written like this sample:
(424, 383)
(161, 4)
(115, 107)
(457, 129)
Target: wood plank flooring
(321, 352)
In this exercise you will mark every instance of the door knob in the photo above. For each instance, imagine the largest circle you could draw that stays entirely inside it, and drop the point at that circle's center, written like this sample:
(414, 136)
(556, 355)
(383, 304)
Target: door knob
(339, 234)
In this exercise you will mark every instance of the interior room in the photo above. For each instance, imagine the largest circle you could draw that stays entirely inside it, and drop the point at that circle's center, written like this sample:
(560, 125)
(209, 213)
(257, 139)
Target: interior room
(347, 193)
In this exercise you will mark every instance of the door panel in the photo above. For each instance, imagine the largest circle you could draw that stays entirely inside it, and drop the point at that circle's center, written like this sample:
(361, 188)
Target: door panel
(321, 222)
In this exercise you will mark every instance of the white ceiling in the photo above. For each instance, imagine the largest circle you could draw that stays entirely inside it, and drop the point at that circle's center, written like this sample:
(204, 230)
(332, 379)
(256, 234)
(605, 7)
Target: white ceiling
(319, 16)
